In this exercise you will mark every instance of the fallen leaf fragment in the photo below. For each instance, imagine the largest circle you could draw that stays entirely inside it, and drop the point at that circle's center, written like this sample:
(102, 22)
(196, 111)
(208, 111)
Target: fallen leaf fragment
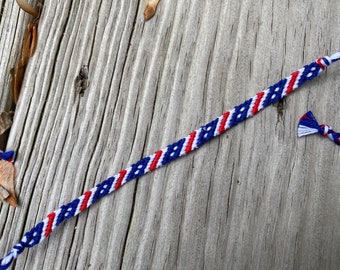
(150, 9)
(7, 174)
(6, 120)
(4, 194)
(28, 48)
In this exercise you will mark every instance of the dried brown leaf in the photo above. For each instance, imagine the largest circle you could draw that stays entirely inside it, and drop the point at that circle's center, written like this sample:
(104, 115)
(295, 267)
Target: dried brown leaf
(6, 120)
(150, 9)
(7, 174)
(149, 12)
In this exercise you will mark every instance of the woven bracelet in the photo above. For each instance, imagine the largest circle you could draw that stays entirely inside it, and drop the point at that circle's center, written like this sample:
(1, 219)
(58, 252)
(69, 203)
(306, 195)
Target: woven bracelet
(161, 157)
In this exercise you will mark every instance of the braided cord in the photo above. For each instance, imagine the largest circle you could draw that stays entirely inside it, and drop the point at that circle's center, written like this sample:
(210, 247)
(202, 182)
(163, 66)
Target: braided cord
(161, 157)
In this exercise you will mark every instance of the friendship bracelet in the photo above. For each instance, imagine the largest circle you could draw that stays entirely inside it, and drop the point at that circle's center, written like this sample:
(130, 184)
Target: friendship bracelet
(161, 157)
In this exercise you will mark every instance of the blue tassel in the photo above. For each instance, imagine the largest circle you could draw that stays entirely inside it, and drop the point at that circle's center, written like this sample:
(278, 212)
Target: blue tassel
(308, 124)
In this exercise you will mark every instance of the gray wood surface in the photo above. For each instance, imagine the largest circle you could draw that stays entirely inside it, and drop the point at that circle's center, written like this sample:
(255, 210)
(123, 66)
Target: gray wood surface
(255, 198)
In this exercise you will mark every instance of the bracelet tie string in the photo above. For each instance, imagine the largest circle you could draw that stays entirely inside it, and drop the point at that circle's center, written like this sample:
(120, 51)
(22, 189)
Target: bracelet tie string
(309, 125)
(173, 151)
(8, 156)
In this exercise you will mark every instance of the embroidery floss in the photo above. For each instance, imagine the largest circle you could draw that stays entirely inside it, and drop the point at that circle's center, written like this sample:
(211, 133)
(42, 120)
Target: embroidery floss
(161, 157)
(8, 156)
(309, 125)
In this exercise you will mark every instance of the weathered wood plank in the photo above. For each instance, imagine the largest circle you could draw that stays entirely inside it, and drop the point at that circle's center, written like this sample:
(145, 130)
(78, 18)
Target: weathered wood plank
(256, 198)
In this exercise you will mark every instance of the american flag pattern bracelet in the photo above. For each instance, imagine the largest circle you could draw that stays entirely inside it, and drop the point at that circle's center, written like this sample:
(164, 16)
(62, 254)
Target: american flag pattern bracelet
(173, 151)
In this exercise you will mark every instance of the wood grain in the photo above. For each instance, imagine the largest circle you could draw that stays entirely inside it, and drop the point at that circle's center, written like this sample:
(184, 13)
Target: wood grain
(255, 198)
